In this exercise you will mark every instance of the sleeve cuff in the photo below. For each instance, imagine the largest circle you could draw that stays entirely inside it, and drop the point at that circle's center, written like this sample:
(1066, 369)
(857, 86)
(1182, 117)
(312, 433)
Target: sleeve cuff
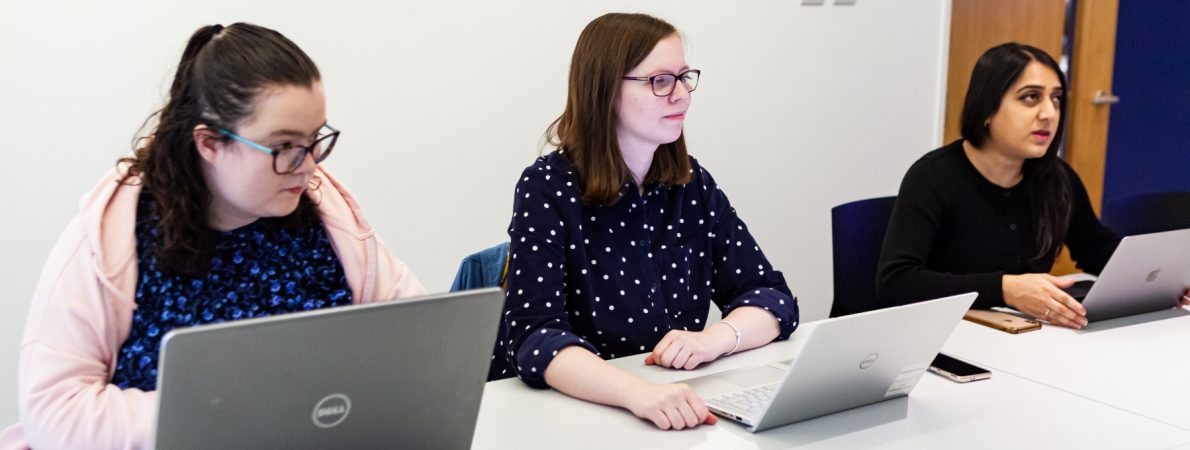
(538, 350)
(782, 306)
(991, 291)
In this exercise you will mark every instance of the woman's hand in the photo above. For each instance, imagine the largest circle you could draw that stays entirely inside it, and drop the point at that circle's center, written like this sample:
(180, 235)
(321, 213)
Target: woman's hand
(1040, 295)
(687, 349)
(1186, 298)
(577, 372)
(668, 406)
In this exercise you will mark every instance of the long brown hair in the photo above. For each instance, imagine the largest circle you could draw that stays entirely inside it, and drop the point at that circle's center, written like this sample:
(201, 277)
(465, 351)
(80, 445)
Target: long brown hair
(1046, 182)
(607, 49)
(217, 81)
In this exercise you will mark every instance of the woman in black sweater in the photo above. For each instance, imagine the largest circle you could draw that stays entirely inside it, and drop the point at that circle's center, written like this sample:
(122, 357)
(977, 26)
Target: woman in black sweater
(990, 212)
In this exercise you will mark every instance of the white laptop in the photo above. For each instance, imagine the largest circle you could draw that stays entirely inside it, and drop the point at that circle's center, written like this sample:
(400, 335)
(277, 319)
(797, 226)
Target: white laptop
(1147, 272)
(406, 373)
(845, 362)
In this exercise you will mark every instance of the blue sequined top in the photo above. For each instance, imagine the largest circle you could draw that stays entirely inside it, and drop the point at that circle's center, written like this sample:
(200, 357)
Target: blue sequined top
(258, 270)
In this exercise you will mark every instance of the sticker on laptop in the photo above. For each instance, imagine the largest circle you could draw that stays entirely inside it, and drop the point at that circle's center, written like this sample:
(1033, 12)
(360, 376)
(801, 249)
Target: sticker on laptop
(905, 380)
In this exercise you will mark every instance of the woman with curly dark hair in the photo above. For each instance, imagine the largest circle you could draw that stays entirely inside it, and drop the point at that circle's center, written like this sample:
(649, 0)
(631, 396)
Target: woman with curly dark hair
(222, 213)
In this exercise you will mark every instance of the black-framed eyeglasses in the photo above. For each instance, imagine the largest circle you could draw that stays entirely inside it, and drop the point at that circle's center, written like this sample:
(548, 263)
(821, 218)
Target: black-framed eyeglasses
(287, 157)
(663, 84)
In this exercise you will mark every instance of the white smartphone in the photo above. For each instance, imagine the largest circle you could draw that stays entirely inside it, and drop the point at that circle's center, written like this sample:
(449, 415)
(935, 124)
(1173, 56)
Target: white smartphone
(958, 371)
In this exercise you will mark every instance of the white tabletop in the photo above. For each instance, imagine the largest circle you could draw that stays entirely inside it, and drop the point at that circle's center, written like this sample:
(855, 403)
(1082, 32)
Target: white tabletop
(1138, 363)
(1006, 410)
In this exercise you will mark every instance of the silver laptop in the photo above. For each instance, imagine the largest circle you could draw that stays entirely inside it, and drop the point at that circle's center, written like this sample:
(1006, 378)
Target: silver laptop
(1147, 272)
(845, 362)
(406, 373)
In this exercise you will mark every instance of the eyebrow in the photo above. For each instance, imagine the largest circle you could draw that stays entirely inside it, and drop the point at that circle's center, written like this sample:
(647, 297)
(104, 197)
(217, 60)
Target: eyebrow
(1037, 86)
(294, 133)
(663, 71)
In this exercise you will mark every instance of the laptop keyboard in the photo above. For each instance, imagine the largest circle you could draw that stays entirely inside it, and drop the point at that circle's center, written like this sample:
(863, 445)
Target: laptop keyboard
(751, 401)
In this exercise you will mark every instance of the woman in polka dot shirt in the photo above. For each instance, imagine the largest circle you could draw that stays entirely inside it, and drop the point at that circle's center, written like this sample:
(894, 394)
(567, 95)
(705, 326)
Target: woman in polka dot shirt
(620, 241)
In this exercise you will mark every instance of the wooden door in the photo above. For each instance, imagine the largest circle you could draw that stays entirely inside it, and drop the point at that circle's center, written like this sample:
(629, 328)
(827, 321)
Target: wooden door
(1089, 101)
(977, 25)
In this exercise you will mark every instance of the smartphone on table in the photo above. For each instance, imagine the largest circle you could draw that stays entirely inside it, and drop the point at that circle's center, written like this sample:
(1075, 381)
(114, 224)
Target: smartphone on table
(1002, 321)
(958, 371)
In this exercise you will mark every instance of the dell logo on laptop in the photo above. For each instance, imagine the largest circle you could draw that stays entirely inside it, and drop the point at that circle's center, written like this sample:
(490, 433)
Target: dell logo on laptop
(331, 410)
(1152, 275)
(868, 361)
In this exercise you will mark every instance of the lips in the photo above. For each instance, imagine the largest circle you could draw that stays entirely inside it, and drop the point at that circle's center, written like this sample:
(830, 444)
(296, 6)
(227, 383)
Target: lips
(678, 116)
(1042, 134)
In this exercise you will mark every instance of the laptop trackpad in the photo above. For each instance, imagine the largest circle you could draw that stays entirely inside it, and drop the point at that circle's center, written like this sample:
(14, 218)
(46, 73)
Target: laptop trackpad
(734, 380)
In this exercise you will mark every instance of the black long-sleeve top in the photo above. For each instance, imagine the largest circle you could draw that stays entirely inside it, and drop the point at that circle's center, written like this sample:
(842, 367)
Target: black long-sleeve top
(953, 231)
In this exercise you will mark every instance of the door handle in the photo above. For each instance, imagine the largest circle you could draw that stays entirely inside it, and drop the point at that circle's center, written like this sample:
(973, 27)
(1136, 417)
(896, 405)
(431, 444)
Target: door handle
(1103, 98)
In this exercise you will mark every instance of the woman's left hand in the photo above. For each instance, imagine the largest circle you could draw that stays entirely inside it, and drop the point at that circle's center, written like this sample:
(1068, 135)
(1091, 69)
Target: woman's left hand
(687, 349)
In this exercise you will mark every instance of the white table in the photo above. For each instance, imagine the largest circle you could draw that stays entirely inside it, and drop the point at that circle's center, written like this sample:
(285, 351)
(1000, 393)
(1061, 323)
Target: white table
(1139, 363)
(1006, 410)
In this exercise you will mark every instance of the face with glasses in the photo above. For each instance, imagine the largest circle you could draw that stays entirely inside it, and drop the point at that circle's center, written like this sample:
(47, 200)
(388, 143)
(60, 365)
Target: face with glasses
(264, 163)
(654, 98)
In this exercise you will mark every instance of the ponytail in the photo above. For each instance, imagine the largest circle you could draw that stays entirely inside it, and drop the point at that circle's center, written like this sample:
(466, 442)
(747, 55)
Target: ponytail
(221, 72)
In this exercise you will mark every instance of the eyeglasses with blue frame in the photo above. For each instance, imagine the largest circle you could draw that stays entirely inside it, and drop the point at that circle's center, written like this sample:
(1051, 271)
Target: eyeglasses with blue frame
(288, 157)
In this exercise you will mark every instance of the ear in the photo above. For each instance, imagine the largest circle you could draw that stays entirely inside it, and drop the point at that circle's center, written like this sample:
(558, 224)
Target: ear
(207, 142)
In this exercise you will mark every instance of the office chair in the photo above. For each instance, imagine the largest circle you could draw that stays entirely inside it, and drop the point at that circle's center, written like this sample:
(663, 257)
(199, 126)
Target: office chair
(1147, 213)
(483, 269)
(857, 234)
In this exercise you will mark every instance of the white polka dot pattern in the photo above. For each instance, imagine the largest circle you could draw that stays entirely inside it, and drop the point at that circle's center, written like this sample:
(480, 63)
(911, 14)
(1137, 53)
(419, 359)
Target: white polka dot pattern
(646, 265)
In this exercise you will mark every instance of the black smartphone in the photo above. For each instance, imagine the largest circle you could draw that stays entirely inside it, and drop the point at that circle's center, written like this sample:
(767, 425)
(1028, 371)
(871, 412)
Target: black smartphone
(958, 371)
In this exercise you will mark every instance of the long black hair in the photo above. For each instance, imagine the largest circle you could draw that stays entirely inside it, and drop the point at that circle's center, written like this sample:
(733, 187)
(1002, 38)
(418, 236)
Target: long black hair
(1046, 182)
(222, 71)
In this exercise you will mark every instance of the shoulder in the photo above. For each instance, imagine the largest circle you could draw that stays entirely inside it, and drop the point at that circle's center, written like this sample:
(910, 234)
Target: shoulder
(937, 167)
(947, 158)
(337, 207)
(700, 176)
(1070, 173)
(1077, 188)
(552, 171)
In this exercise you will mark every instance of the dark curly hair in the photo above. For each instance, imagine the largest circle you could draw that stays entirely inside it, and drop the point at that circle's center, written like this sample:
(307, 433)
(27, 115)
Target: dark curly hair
(221, 72)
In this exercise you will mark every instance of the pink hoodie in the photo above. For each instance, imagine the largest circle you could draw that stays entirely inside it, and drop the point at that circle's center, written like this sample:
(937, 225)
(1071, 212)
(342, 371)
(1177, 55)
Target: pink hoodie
(82, 313)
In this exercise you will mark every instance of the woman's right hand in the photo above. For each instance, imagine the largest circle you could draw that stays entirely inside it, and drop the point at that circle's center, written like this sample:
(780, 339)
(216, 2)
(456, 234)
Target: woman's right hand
(668, 406)
(1040, 295)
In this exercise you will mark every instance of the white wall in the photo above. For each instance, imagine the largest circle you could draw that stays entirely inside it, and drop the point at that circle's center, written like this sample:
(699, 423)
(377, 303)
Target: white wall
(442, 103)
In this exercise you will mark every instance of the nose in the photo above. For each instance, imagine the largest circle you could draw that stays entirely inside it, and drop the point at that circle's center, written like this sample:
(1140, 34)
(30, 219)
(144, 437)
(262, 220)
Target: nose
(680, 92)
(308, 163)
(1048, 111)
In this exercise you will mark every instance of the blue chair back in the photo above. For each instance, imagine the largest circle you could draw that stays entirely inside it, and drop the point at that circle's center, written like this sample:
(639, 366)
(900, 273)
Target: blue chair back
(1147, 213)
(484, 269)
(857, 233)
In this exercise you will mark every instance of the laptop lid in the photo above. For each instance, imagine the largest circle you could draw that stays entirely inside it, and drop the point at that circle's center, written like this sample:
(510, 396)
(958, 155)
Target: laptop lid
(1147, 272)
(404, 373)
(856, 360)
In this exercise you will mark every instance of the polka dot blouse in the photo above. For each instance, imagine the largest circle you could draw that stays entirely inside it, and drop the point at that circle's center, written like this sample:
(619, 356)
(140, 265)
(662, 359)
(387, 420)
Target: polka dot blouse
(260, 269)
(615, 279)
